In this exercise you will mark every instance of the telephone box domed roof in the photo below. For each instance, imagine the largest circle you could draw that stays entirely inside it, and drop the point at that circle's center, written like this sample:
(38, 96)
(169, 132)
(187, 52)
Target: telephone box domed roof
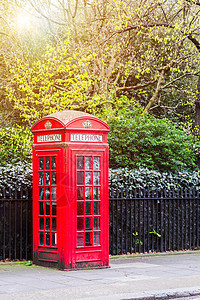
(68, 118)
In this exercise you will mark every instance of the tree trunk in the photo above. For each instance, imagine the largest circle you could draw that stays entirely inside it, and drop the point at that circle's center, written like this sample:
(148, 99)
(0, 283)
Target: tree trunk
(197, 117)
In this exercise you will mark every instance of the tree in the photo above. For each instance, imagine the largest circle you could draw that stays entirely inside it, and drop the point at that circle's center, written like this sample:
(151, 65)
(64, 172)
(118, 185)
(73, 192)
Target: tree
(23, 37)
(140, 51)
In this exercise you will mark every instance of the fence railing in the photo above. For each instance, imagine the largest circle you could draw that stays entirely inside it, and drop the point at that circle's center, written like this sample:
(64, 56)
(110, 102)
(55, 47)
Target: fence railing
(140, 222)
(15, 224)
(158, 221)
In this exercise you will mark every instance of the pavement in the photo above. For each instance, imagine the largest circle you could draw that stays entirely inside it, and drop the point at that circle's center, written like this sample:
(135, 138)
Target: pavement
(144, 277)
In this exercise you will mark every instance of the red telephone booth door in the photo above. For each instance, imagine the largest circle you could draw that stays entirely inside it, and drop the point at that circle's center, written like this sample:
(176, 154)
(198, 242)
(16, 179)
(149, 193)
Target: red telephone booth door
(46, 198)
(91, 198)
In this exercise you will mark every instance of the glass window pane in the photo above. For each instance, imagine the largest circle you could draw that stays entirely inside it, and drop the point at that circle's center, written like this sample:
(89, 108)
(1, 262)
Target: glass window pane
(88, 163)
(53, 177)
(79, 193)
(96, 163)
(53, 191)
(88, 193)
(80, 224)
(53, 163)
(47, 236)
(96, 208)
(47, 178)
(80, 239)
(80, 208)
(41, 163)
(80, 163)
(47, 163)
(47, 208)
(47, 227)
(96, 193)
(96, 178)
(80, 177)
(53, 224)
(41, 193)
(88, 178)
(88, 208)
(41, 226)
(54, 239)
(47, 193)
(88, 239)
(41, 238)
(96, 223)
(88, 219)
(54, 208)
(88, 223)
(96, 238)
(41, 178)
(41, 208)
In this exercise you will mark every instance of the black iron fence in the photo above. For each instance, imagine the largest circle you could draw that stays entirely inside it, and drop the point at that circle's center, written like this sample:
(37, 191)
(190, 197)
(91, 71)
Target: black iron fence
(15, 224)
(140, 222)
(158, 221)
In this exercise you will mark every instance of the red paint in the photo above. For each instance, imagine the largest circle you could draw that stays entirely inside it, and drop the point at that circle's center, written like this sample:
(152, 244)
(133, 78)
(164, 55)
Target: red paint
(70, 191)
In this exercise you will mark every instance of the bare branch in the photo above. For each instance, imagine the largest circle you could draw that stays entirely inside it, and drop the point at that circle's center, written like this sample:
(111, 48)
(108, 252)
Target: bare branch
(178, 78)
(44, 16)
(3, 33)
(138, 27)
(194, 2)
(194, 41)
(136, 87)
(60, 88)
(176, 15)
(8, 115)
(75, 11)
(146, 26)
(153, 99)
(198, 86)
(180, 89)
(165, 107)
(163, 12)
(184, 38)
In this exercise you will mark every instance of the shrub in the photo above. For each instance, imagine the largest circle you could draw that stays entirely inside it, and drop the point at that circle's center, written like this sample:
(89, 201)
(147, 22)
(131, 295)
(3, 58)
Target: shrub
(16, 176)
(15, 145)
(20, 175)
(144, 178)
(15, 157)
(144, 141)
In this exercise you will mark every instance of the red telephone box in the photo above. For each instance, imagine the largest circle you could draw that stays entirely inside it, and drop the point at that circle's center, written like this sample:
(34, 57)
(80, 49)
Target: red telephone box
(70, 191)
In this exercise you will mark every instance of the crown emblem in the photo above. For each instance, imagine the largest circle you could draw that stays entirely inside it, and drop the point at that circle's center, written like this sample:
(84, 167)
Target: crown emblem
(48, 125)
(87, 124)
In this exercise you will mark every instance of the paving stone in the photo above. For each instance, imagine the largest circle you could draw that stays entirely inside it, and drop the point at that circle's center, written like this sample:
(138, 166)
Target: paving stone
(161, 277)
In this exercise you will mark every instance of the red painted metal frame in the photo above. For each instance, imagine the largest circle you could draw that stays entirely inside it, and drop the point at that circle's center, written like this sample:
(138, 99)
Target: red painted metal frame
(66, 255)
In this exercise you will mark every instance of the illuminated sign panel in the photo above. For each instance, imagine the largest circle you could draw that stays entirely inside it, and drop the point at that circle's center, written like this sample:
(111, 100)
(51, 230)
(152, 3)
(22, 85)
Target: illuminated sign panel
(49, 138)
(79, 137)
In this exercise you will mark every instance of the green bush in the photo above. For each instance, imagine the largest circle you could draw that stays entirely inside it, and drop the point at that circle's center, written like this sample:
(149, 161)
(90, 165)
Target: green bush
(20, 175)
(15, 145)
(144, 178)
(138, 146)
(144, 141)
(16, 176)
(15, 157)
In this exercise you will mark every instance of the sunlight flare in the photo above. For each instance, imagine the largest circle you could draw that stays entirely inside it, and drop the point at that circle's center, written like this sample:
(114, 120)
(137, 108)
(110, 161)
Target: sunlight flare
(23, 21)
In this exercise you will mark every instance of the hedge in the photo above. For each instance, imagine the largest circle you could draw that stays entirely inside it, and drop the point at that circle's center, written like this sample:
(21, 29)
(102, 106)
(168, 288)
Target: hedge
(20, 175)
